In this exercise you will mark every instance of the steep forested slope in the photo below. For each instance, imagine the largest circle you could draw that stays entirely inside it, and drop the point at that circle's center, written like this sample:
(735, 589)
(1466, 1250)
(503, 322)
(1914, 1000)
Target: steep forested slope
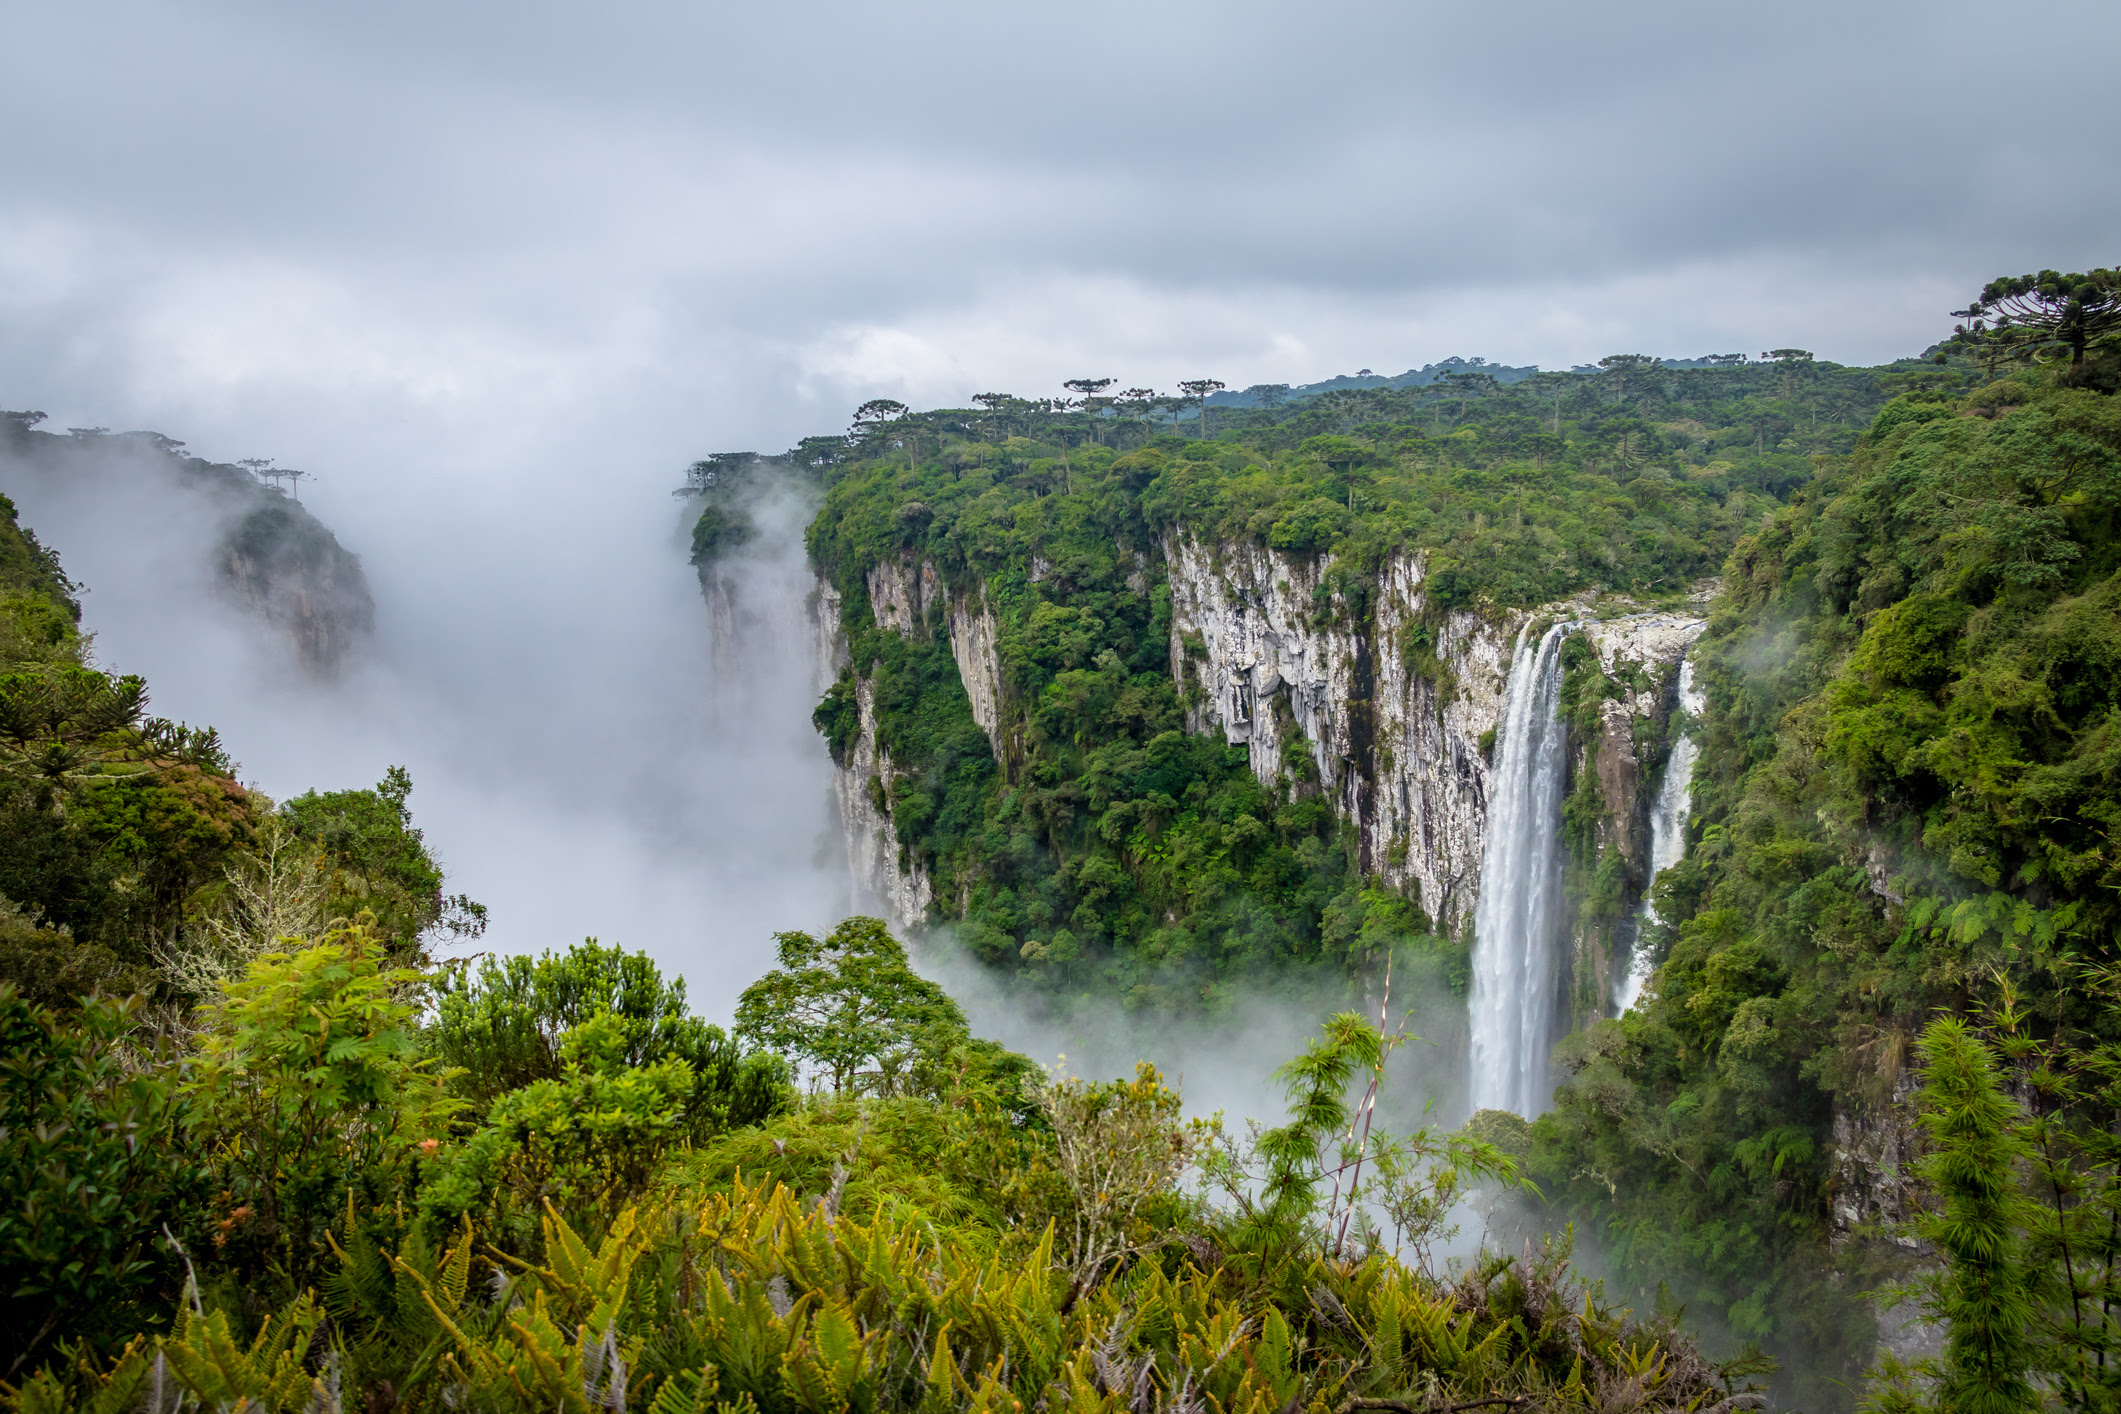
(1076, 816)
(258, 543)
(1907, 799)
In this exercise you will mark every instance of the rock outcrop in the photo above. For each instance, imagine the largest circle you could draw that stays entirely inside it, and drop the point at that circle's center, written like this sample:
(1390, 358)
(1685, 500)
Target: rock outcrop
(860, 787)
(1387, 704)
(266, 552)
(290, 571)
(1395, 705)
(910, 599)
(974, 642)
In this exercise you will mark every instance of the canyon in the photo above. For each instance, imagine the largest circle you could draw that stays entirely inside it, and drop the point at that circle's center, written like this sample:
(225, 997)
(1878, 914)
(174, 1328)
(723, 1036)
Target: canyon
(1361, 690)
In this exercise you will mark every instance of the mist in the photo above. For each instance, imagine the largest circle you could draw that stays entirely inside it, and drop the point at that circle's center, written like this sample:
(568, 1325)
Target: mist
(587, 760)
(495, 276)
(1223, 1060)
(599, 748)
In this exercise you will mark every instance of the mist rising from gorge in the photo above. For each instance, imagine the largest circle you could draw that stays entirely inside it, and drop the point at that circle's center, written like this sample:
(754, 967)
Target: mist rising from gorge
(585, 762)
(599, 750)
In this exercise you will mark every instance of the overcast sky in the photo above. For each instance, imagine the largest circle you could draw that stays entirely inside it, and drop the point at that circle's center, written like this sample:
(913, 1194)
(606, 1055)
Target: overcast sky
(717, 224)
(495, 272)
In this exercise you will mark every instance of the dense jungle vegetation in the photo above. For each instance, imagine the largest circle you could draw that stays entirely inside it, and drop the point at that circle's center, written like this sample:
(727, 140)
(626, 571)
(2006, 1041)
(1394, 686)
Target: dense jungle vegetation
(1107, 850)
(1905, 807)
(259, 1151)
(1906, 804)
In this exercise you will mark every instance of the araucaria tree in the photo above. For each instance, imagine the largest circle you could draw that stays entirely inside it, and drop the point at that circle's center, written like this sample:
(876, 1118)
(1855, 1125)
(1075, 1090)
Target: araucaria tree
(1090, 397)
(1198, 389)
(2036, 316)
(1619, 367)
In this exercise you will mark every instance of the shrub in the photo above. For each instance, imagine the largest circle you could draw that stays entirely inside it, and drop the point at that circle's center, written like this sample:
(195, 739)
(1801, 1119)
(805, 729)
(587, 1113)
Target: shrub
(506, 1027)
(88, 1178)
(310, 1097)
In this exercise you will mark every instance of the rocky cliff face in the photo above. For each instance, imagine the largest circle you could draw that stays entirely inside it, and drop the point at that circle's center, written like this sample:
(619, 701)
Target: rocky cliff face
(1394, 703)
(262, 547)
(1376, 698)
(292, 572)
(1875, 1195)
(1285, 667)
(907, 597)
(1876, 1147)
(902, 597)
(880, 867)
(1639, 654)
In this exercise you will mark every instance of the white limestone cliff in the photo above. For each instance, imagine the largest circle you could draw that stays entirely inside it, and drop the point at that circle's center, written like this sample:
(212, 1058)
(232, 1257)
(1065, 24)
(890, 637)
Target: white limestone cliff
(1266, 656)
(902, 597)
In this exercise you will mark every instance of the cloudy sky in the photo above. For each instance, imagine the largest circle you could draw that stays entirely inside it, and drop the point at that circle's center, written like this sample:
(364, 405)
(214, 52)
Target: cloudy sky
(726, 222)
(496, 272)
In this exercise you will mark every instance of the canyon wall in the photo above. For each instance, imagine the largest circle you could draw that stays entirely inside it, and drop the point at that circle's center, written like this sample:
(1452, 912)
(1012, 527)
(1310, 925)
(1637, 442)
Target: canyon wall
(284, 566)
(263, 549)
(1395, 703)
(908, 599)
(1369, 694)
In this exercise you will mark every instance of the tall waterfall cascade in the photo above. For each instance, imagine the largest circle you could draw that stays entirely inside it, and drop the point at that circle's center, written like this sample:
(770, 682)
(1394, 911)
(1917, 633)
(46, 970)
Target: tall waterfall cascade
(1518, 923)
(1668, 819)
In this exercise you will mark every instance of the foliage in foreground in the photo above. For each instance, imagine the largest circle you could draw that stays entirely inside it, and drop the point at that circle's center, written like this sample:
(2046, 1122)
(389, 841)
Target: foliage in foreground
(753, 1299)
(1087, 1273)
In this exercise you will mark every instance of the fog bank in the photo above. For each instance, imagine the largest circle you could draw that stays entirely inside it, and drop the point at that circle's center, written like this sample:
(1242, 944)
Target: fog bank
(585, 761)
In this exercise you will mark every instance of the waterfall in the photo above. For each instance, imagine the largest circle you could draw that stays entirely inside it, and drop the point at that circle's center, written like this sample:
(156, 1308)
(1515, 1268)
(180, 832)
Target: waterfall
(1517, 923)
(1667, 832)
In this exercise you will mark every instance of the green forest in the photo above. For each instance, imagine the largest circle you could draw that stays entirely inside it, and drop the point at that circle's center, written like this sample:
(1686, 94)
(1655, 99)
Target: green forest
(1109, 850)
(264, 1148)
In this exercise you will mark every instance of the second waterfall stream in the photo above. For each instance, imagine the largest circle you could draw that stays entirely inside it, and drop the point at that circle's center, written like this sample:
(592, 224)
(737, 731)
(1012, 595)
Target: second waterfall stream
(1518, 922)
(1667, 832)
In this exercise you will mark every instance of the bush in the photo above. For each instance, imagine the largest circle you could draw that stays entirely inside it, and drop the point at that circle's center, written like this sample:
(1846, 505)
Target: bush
(584, 1141)
(89, 1178)
(310, 1096)
(380, 862)
(507, 1027)
(1309, 527)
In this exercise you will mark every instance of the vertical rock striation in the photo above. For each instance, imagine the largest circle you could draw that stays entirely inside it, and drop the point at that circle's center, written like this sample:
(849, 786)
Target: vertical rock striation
(1393, 700)
(881, 868)
(1282, 664)
(1357, 687)
(910, 599)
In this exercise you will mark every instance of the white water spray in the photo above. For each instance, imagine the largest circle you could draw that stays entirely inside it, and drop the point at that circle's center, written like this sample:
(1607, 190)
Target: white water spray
(1668, 819)
(1517, 922)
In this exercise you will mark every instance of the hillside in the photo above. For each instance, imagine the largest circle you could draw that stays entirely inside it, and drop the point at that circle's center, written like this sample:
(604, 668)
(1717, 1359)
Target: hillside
(1159, 702)
(264, 550)
(1906, 801)
(1042, 615)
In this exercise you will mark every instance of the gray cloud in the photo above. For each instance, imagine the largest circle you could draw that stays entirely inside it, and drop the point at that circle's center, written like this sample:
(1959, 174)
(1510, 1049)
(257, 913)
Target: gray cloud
(805, 161)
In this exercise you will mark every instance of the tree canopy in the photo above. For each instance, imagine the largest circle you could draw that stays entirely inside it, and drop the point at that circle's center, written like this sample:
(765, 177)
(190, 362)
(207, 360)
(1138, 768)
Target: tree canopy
(851, 1005)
